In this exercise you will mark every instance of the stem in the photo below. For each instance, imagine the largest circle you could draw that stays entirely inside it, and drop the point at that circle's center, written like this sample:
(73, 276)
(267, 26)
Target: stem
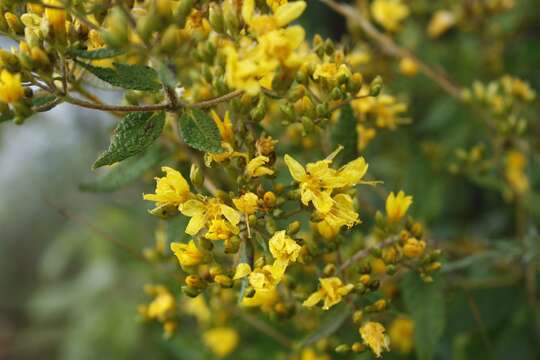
(391, 48)
(365, 252)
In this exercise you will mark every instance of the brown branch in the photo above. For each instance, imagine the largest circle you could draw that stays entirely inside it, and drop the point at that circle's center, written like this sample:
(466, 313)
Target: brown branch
(388, 46)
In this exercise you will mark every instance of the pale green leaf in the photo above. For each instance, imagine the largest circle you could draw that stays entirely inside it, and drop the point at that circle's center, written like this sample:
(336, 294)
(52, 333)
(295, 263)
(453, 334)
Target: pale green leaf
(134, 77)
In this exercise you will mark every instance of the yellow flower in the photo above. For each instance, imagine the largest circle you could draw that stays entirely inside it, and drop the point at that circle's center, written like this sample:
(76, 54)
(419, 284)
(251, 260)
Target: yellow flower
(515, 171)
(224, 126)
(172, 189)
(341, 214)
(247, 203)
(265, 278)
(187, 254)
(221, 340)
(518, 88)
(221, 230)
(56, 17)
(318, 180)
(331, 72)
(204, 212)
(389, 13)
(365, 135)
(196, 307)
(401, 334)
(408, 66)
(283, 249)
(11, 89)
(331, 291)
(397, 206)
(265, 299)
(163, 304)
(414, 247)
(386, 110)
(283, 14)
(242, 270)
(274, 4)
(441, 22)
(373, 335)
(256, 168)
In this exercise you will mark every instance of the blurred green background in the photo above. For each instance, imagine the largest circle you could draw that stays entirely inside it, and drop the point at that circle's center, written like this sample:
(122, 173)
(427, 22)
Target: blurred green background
(67, 292)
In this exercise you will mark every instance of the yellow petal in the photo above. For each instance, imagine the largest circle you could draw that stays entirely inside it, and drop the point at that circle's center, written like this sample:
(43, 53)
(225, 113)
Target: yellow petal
(297, 171)
(242, 270)
(287, 13)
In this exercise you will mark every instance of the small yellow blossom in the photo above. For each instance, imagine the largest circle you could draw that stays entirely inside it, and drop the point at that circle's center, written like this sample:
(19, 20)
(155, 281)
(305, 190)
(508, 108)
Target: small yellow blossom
(172, 189)
(318, 180)
(518, 88)
(220, 229)
(265, 278)
(187, 254)
(389, 13)
(265, 299)
(373, 335)
(163, 304)
(242, 270)
(397, 206)
(331, 72)
(56, 17)
(247, 204)
(331, 291)
(515, 171)
(341, 214)
(386, 109)
(408, 66)
(196, 307)
(256, 167)
(401, 333)
(221, 340)
(365, 136)
(11, 89)
(414, 247)
(441, 22)
(283, 249)
(205, 212)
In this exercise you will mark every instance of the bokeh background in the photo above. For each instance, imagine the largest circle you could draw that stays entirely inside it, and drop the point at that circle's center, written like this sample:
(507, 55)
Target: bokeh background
(68, 292)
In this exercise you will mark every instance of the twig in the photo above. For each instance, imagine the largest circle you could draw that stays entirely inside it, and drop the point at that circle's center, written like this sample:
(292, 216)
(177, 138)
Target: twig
(391, 48)
(265, 328)
(365, 252)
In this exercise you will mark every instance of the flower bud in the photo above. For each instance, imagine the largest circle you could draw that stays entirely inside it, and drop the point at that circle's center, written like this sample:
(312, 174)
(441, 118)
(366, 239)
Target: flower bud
(215, 17)
(376, 86)
(230, 18)
(358, 347)
(343, 348)
(269, 199)
(195, 281)
(182, 12)
(329, 270)
(293, 227)
(196, 176)
(14, 23)
(224, 280)
(191, 292)
(357, 317)
(232, 245)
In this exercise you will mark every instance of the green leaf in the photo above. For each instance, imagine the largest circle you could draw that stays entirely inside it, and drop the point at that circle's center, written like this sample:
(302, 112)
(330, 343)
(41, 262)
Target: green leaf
(126, 172)
(103, 53)
(200, 131)
(135, 133)
(134, 77)
(7, 116)
(42, 100)
(344, 134)
(425, 304)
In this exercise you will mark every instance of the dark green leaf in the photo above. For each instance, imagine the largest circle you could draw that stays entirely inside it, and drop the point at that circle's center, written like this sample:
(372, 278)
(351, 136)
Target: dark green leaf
(200, 131)
(135, 133)
(425, 303)
(42, 100)
(7, 116)
(134, 77)
(344, 134)
(126, 172)
(97, 54)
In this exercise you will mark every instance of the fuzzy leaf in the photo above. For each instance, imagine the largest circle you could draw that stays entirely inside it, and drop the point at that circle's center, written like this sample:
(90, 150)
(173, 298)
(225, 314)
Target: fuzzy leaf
(135, 133)
(425, 303)
(200, 132)
(134, 77)
(98, 54)
(344, 134)
(125, 172)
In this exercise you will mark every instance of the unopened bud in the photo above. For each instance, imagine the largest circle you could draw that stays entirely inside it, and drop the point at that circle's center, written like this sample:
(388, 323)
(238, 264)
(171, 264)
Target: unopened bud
(376, 86)
(196, 176)
(293, 227)
(343, 348)
(215, 17)
(224, 280)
